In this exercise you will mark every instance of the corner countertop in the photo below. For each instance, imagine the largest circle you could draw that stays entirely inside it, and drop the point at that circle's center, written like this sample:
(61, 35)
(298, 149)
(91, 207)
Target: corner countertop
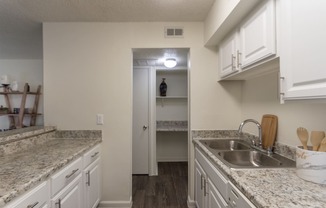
(22, 170)
(272, 188)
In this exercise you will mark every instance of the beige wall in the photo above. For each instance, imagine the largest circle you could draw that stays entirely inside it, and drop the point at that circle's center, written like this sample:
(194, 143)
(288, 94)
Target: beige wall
(88, 70)
(217, 15)
(259, 96)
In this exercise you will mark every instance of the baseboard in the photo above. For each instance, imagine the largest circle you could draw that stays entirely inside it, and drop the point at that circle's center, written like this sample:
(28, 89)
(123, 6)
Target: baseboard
(113, 204)
(191, 203)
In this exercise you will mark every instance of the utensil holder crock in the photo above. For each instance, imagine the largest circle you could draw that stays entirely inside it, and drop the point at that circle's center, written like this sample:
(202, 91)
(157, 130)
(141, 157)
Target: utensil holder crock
(311, 165)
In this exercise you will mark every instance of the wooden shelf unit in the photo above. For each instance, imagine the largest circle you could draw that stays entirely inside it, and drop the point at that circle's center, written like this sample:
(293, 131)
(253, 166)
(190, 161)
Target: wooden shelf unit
(20, 116)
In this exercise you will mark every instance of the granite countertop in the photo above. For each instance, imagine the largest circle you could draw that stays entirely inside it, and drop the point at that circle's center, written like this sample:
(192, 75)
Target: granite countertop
(171, 126)
(24, 169)
(272, 188)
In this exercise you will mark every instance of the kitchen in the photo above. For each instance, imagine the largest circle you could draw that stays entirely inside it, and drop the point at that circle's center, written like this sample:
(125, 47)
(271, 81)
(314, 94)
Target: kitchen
(88, 67)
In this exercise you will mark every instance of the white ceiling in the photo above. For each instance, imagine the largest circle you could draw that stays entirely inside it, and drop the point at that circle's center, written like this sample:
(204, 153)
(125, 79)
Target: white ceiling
(21, 28)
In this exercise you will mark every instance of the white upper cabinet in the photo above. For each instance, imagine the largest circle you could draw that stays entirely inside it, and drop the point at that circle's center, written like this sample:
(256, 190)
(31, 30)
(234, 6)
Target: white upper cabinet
(252, 43)
(227, 51)
(302, 49)
(258, 35)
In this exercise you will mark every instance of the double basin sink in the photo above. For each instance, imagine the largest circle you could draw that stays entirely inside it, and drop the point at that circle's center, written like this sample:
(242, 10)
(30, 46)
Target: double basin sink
(236, 153)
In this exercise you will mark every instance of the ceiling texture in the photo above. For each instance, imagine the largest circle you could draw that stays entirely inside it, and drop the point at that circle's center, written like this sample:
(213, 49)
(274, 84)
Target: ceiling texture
(21, 20)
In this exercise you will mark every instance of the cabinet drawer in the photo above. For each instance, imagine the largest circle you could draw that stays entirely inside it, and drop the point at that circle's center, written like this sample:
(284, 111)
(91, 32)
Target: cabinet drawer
(213, 173)
(92, 155)
(65, 176)
(237, 199)
(36, 198)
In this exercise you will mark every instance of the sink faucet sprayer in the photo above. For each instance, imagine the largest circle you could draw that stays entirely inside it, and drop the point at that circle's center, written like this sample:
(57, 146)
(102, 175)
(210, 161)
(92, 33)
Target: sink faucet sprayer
(259, 129)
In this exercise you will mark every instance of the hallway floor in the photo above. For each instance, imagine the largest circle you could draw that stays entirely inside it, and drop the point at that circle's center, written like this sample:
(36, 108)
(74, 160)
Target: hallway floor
(167, 190)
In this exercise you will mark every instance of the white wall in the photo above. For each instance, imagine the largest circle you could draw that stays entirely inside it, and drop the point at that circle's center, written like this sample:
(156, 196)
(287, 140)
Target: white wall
(172, 109)
(260, 97)
(93, 64)
(217, 15)
(23, 71)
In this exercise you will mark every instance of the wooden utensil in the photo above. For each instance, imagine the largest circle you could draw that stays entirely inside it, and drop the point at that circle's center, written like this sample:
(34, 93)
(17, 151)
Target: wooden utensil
(322, 147)
(303, 136)
(269, 130)
(315, 138)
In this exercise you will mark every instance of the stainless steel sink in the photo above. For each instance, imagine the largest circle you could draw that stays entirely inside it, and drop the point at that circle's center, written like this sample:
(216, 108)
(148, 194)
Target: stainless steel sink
(226, 144)
(236, 153)
(254, 159)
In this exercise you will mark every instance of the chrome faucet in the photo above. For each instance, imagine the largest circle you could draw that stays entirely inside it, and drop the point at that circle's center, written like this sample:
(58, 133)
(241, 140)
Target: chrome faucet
(259, 130)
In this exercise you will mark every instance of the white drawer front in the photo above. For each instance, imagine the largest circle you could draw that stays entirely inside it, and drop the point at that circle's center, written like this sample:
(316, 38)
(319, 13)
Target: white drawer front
(214, 174)
(65, 176)
(36, 198)
(92, 155)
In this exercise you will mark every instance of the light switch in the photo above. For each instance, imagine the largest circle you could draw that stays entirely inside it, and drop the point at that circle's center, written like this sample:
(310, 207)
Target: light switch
(99, 119)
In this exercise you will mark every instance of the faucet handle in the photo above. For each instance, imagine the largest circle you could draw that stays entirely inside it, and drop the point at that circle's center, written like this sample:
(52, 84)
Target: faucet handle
(269, 150)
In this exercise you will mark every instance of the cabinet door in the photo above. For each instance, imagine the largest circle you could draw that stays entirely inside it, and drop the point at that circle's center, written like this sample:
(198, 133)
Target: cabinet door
(214, 198)
(38, 197)
(71, 196)
(258, 35)
(227, 55)
(92, 190)
(200, 186)
(302, 56)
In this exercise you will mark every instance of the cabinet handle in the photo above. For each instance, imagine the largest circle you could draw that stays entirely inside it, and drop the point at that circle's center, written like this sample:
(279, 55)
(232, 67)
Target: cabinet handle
(205, 191)
(32, 205)
(238, 58)
(72, 173)
(58, 203)
(281, 93)
(88, 178)
(96, 153)
(232, 62)
(201, 182)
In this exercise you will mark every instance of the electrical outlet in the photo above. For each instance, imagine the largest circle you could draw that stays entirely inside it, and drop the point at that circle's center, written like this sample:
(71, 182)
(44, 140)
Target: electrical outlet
(99, 119)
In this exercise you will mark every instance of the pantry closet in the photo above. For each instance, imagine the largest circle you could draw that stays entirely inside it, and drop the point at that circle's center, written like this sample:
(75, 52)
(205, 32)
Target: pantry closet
(167, 127)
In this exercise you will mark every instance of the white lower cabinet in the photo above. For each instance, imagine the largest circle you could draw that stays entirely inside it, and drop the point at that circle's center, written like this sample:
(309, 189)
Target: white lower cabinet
(71, 196)
(77, 185)
(214, 198)
(200, 186)
(210, 184)
(92, 178)
(213, 189)
(35, 198)
(237, 199)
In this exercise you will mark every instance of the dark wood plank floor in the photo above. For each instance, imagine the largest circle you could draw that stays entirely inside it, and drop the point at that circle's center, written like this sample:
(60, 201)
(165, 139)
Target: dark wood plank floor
(167, 190)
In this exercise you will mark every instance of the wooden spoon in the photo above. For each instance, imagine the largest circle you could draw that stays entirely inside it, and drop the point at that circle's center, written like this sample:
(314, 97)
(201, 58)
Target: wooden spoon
(303, 136)
(315, 138)
(322, 147)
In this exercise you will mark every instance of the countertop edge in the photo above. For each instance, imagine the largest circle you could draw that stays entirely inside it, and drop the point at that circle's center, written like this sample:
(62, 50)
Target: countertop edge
(45, 175)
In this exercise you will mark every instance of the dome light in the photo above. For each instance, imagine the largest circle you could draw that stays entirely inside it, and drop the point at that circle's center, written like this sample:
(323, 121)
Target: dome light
(170, 62)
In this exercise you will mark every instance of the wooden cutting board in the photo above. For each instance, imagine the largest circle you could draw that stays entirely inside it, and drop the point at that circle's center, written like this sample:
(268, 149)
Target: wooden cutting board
(269, 130)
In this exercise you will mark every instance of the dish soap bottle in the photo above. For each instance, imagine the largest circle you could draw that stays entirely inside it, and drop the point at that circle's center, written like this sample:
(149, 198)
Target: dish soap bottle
(163, 87)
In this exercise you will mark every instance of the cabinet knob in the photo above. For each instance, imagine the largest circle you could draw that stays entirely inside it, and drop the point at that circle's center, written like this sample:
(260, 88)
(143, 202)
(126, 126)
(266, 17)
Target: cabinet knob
(145, 127)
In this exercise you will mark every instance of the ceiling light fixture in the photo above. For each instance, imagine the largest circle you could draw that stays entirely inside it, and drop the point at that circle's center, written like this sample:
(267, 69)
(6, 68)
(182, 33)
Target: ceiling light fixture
(170, 62)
